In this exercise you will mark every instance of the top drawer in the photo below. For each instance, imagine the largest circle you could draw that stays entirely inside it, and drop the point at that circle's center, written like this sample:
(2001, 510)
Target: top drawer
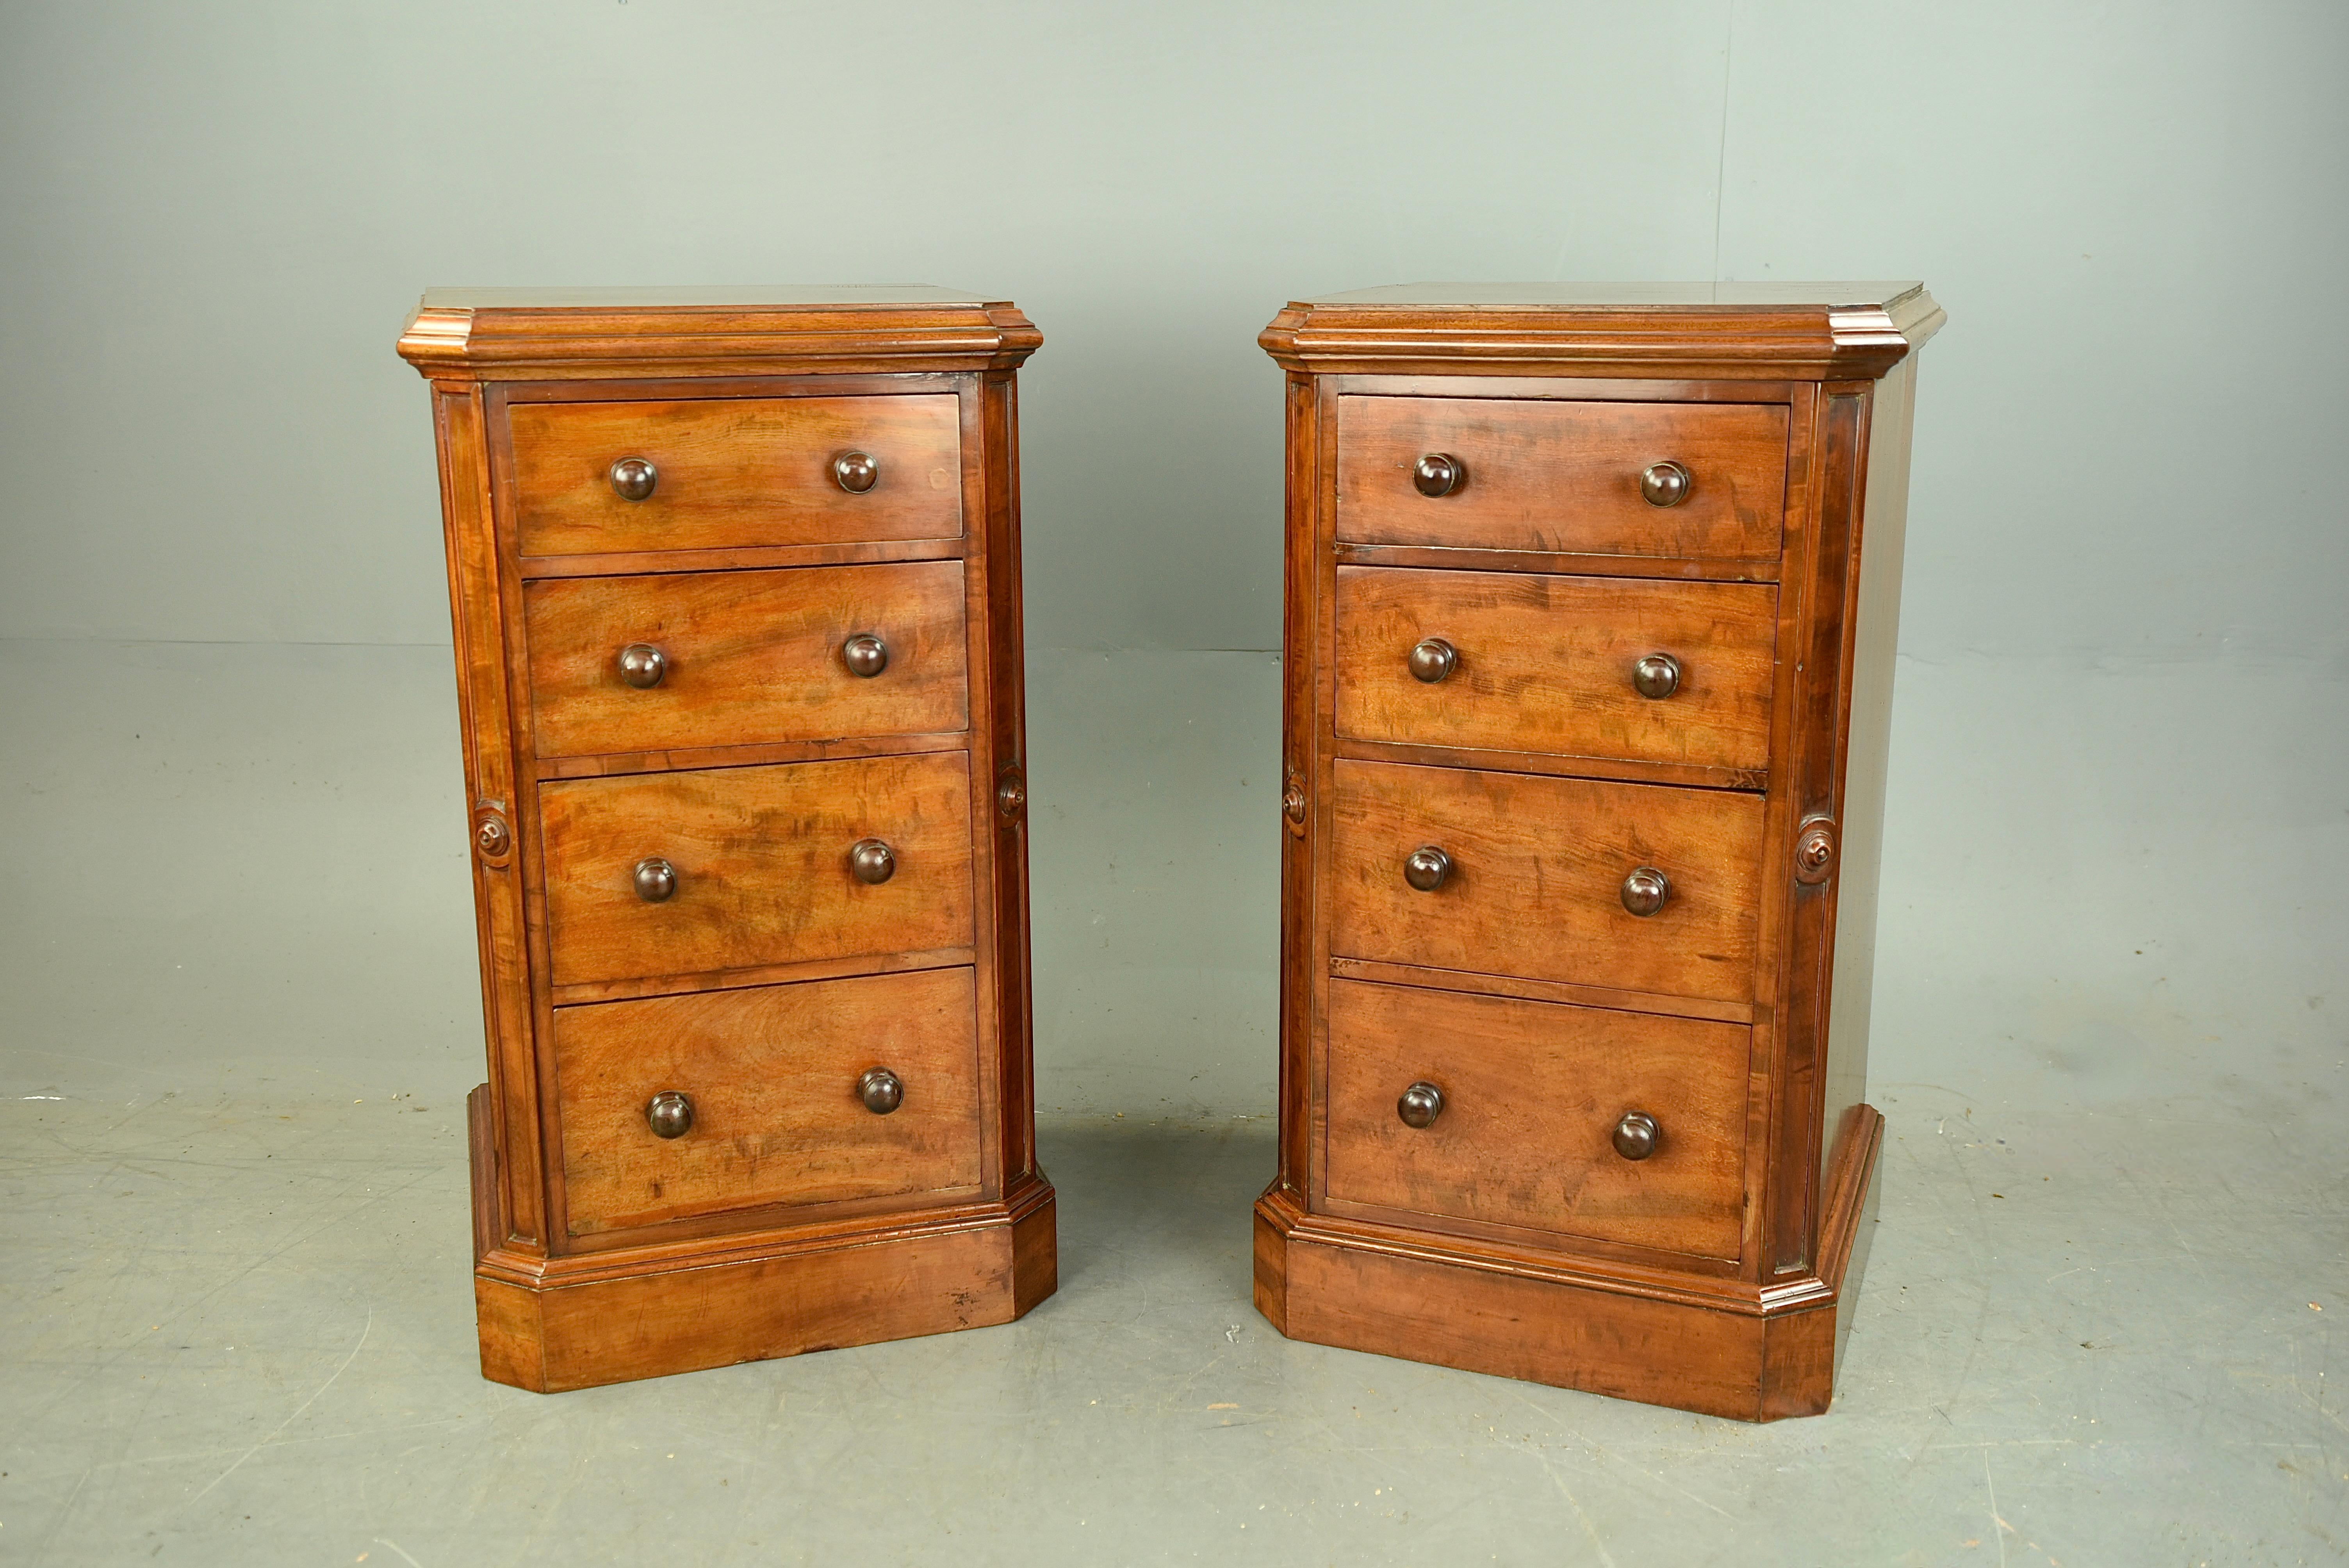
(735, 471)
(1569, 478)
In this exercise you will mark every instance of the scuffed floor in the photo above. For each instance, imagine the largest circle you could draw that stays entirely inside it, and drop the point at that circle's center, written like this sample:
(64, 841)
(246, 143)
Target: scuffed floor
(235, 1320)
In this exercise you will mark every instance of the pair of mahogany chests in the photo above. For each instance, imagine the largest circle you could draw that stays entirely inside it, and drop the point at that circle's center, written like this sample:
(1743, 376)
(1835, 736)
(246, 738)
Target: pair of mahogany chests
(1591, 596)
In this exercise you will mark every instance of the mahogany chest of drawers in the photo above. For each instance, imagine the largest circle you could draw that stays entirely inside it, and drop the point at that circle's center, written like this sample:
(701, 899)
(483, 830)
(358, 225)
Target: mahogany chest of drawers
(735, 579)
(1591, 602)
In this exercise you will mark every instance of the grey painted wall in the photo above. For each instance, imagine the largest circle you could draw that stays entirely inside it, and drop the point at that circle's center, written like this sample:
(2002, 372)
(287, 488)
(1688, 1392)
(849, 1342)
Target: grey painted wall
(213, 217)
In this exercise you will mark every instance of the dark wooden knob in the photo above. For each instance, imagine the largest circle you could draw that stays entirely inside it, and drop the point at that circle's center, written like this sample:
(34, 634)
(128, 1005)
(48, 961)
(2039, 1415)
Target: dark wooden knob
(1421, 1104)
(632, 478)
(864, 655)
(669, 1114)
(655, 880)
(1433, 660)
(1657, 676)
(856, 471)
(1426, 868)
(882, 1091)
(642, 666)
(1645, 891)
(872, 860)
(1438, 473)
(1665, 484)
(1636, 1135)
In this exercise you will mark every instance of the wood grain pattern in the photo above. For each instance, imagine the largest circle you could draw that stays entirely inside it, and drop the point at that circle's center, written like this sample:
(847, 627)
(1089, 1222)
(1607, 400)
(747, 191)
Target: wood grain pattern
(733, 472)
(751, 656)
(1538, 885)
(1563, 476)
(613, 764)
(762, 859)
(999, 785)
(1541, 990)
(588, 992)
(1463, 557)
(521, 338)
(682, 1319)
(1546, 665)
(493, 783)
(1627, 769)
(1715, 336)
(1801, 949)
(753, 557)
(1532, 1092)
(772, 1074)
(1506, 1325)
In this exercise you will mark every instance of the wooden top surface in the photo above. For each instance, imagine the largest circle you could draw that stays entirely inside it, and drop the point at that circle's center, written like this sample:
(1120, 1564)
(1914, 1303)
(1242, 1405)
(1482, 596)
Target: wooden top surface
(784, 296)
(542, 334)
(1745, 331)
(1773, 295)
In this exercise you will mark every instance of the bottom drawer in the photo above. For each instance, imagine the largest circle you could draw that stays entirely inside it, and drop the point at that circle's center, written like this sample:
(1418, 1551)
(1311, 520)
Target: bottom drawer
(771, 1076)
(1531, 1095)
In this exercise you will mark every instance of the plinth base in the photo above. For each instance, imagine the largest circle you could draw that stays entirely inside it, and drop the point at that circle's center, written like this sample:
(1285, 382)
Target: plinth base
(549, 1325)
(1747, 1352)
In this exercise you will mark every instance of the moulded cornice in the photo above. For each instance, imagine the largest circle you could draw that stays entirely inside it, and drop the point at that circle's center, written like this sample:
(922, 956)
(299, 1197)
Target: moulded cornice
(1768, 340)
(540, 342)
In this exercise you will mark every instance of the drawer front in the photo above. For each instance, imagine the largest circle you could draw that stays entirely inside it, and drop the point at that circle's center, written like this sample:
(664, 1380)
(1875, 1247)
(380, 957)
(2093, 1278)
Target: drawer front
(761, 865)
(771, 1075)
(1536, 884)
(1554, 664)
(735, 471)
(1532, 1093)
(737, 657)
(1567, 477)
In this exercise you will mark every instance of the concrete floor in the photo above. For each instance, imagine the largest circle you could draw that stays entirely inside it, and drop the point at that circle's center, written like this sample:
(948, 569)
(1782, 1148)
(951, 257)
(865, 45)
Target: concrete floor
(240, 1015)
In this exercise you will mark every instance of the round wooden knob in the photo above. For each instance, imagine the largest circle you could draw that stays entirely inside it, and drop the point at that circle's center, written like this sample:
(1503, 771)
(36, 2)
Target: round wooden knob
(856, 472)
(1665, 484)
(669, 1114)
(642, 666)
(1636, 1135)
(1433, 660)
(1814, 852)
(655, 880)
(882, 1091)
(1658, 675)
(1421, 1104)
(492, 836)
(1426, 868)
(864, 655)
(873, 861)
(632, 478)
(1645, 891)
(1438, 473)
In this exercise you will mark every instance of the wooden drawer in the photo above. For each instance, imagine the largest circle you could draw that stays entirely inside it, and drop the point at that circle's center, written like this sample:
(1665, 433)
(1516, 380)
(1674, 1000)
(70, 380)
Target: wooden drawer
(772, 1074)
(1565, 477)
(1550, 664)
(1537, 878)
(761, 857)
(1532, 1093)
(746, 657)
(733, 471)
